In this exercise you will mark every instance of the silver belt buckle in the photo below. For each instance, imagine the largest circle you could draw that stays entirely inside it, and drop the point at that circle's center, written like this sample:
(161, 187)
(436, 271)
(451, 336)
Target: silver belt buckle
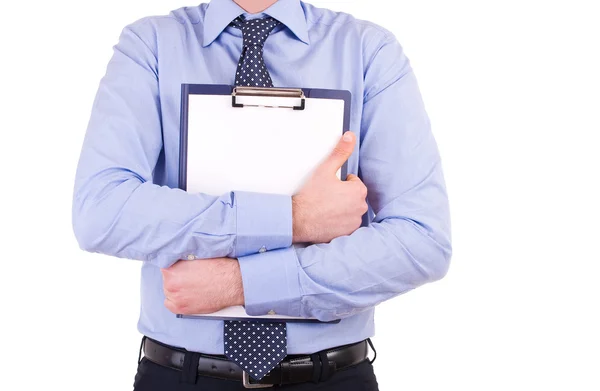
(247, 384)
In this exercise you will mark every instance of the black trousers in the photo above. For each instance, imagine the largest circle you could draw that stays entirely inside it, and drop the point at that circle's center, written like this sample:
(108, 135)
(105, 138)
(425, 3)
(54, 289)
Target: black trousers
(153, 377)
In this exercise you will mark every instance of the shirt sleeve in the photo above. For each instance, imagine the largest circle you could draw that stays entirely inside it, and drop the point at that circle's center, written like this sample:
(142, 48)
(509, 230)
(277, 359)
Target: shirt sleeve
(408, 242)
(119, 211)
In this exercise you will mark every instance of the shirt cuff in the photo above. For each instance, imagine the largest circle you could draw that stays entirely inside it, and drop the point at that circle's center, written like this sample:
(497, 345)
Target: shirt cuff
(271, 283)
(264, 222)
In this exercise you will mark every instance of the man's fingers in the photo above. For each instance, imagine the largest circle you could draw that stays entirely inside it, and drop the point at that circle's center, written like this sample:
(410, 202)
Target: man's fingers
(359, 184)
(340, 153)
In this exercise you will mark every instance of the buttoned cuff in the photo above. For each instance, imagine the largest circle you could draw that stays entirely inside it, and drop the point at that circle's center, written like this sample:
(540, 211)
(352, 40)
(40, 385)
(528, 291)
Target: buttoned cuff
(271, 283)
(264, 222)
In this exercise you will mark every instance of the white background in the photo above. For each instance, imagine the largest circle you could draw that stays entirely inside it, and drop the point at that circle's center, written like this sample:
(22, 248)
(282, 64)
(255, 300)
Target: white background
(513, 91)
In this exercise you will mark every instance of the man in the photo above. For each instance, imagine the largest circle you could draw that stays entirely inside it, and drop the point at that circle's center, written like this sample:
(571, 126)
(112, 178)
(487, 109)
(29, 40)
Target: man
(202, 253)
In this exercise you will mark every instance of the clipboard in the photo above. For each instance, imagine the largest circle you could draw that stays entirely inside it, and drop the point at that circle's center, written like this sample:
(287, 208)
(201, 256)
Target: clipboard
(265, 140)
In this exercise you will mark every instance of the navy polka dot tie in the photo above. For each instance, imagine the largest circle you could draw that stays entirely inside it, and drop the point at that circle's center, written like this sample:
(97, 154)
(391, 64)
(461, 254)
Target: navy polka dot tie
(251, 69)
(257, 347)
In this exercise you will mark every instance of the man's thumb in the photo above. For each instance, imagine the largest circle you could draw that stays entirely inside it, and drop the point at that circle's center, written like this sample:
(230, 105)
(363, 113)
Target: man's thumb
(340, 153)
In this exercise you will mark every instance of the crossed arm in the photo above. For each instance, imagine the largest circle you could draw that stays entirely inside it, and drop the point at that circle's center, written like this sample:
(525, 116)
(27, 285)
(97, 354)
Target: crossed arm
(325, 208)
(118, 211)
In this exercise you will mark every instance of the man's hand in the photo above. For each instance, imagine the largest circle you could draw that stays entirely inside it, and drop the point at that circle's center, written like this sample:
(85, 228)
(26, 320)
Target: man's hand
(326, 207)
(203, 286)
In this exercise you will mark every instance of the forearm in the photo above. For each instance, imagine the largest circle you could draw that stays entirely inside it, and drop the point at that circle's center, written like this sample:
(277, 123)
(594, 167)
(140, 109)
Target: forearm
(133, 219)
(352, 273)
(375, 264)
(119, 211)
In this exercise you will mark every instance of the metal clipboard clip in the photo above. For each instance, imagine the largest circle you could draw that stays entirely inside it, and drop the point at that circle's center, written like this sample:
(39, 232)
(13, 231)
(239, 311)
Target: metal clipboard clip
(269, 92)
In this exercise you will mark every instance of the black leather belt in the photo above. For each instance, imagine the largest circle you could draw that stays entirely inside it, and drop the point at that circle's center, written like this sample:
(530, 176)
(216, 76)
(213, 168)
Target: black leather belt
(293, 369)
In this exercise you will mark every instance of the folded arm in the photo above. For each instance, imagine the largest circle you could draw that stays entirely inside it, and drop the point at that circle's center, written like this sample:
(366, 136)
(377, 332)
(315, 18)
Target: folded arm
(408, 242)
(118, 211)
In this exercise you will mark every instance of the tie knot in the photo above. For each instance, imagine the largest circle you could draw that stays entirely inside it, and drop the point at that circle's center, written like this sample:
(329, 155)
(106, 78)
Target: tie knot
(255, 31)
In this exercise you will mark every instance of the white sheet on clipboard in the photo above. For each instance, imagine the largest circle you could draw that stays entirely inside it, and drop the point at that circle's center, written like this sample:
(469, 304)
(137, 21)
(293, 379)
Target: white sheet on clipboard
(257, 149)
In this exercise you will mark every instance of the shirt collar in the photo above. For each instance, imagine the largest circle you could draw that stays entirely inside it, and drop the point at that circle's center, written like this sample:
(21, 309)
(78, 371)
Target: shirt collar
(221, 12)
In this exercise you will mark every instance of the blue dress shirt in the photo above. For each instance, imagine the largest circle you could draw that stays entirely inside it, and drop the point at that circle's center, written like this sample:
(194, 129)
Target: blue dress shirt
(126, 202)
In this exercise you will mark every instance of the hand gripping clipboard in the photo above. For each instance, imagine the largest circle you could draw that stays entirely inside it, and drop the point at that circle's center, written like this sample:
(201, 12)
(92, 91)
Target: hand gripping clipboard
(265, 140)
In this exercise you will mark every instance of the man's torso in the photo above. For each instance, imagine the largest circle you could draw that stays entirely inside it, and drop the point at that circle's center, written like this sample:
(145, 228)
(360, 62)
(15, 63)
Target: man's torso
(337, 56)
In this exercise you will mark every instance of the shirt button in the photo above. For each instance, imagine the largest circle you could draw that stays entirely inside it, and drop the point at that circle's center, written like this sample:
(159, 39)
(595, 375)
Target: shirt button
(272, 312)
(191, 257)
(263, 249)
